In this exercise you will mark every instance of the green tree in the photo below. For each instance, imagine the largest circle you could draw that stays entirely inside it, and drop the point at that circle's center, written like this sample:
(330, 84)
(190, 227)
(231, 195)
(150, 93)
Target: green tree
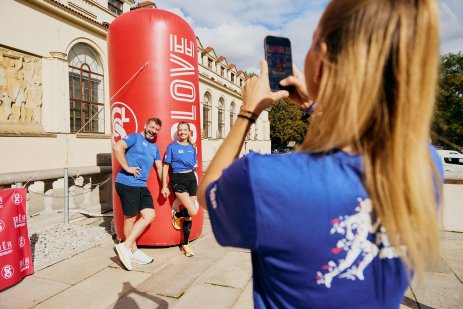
(447, 125)
(287, 123)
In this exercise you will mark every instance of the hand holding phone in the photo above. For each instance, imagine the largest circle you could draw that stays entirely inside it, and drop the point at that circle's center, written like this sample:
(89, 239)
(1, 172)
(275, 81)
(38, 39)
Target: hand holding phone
(279, 60)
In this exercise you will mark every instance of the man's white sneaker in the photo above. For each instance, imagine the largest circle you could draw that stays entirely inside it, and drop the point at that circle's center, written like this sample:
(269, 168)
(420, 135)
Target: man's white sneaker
(141, 258)
(124, 254)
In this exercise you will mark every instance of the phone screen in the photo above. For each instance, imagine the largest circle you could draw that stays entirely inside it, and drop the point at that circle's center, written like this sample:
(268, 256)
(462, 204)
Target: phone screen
(279, 60)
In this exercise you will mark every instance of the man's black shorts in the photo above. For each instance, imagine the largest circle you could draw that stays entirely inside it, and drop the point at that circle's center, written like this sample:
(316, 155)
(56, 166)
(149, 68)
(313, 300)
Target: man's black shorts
(184, 182)
(134, 199)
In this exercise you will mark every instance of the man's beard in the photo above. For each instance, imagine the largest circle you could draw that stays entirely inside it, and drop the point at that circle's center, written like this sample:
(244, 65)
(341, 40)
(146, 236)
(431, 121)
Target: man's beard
(150, 132)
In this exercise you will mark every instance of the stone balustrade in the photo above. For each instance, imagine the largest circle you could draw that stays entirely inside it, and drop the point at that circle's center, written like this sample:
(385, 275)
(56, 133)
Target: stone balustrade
(90, 188)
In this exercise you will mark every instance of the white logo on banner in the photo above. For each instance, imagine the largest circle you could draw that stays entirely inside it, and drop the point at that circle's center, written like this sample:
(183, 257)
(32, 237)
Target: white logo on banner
(17, 199)
(24, 264)
(2, 225)
(6, 248)
(22, 242)
(19, 220)
(7, 271)
(119, 111)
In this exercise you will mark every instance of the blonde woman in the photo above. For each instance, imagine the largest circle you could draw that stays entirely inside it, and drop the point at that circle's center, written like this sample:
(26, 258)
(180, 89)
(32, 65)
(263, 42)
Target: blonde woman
(181, 155)
(344, 221)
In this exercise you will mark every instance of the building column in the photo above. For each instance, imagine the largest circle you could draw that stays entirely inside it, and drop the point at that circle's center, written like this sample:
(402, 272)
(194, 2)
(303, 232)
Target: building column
(55, 110)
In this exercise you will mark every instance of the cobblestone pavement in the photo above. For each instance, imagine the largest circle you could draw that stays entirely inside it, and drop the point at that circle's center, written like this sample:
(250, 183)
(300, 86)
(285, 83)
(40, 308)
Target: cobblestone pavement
(216, 277)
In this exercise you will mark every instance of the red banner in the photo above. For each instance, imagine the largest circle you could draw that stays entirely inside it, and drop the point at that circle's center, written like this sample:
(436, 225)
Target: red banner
(15, 248)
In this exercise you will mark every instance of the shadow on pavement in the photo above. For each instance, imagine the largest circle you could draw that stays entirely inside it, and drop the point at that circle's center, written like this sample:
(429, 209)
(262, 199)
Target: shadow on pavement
(126, 301)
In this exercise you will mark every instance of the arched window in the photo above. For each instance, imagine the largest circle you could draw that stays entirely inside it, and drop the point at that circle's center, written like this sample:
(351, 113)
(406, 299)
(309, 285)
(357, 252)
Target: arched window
(232, 114)
(86, 84)
(221, 118)
(207, 123)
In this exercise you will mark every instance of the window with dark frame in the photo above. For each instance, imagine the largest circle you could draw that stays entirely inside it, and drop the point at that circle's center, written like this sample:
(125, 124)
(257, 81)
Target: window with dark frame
(115, 6)
(207, 124)
(232, 114)
(86, 96)
(221, 119)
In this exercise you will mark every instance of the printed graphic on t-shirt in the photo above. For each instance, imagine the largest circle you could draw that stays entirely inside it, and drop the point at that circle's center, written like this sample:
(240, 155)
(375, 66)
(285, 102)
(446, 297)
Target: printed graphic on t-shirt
(360, 250)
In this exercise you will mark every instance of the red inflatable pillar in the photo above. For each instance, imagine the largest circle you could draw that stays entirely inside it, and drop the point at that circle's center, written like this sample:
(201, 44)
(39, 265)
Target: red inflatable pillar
(153, 72)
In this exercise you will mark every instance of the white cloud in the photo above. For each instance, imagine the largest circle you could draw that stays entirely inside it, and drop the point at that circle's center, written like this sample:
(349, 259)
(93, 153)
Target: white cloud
(451, 27)
(236, 29)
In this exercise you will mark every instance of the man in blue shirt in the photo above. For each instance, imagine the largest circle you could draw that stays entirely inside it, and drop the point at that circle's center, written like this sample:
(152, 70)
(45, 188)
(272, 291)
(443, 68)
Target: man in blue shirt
(136, 154)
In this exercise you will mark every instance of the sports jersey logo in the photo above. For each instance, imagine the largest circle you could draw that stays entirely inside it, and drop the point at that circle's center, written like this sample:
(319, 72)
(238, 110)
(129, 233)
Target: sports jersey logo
(7, 271)
(121, 113)
(16, 198)
(360, 250)
(180, 151)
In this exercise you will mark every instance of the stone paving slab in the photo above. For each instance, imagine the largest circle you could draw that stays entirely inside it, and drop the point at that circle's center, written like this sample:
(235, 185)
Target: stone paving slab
(135, 299)
(438, 290)
(16, 296)
(80, 267)
(232, 270)
(409, 301)
(207, 296)
(161, 257)
(176, 277)
(208, 247)
(245, 301)
(452, 252)
(99, 291)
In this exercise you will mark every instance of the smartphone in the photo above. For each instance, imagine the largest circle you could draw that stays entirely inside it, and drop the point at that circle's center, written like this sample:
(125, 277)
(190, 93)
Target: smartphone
(279, 60)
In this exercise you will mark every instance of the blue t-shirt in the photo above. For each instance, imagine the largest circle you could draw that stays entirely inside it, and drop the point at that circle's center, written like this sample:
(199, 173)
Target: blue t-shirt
(182, 158)
(142, 153)
(308, 222)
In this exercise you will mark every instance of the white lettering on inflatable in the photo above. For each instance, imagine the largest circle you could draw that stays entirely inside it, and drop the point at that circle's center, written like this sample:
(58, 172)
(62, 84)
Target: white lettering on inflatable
(1, 202)
(182, 90)
(184, 115)
(182, 47)
(118, 118)
(2, 225)
(185, 68)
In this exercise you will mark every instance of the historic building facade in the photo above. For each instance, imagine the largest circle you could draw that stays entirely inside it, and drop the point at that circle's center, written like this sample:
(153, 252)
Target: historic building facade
(54, 93)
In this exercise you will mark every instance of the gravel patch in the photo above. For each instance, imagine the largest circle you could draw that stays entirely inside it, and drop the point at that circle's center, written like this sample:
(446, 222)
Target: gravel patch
(61, 241)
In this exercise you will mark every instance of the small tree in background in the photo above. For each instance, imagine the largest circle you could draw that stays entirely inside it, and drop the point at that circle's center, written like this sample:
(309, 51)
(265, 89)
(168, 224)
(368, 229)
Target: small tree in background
(447, 127)
(287, 123)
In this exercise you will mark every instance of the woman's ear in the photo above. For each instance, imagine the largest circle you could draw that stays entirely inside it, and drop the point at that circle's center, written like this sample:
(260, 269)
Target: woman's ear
(322, 53)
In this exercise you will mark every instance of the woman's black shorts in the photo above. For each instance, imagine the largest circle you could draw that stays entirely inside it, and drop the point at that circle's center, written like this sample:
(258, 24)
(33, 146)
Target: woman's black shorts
(184, 182)
(134, 199)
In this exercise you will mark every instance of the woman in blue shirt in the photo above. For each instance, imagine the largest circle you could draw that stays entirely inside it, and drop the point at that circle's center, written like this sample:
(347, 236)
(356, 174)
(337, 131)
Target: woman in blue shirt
(181, 155)
(343, 221)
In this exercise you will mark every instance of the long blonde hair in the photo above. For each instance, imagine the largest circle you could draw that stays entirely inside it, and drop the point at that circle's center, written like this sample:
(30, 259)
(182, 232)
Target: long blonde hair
(377, 94)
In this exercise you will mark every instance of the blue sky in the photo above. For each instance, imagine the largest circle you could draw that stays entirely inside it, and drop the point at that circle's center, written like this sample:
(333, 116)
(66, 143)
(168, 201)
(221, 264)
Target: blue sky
(236, 29)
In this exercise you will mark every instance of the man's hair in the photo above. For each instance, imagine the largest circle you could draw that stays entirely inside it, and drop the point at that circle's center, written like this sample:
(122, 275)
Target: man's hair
(155, 120)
